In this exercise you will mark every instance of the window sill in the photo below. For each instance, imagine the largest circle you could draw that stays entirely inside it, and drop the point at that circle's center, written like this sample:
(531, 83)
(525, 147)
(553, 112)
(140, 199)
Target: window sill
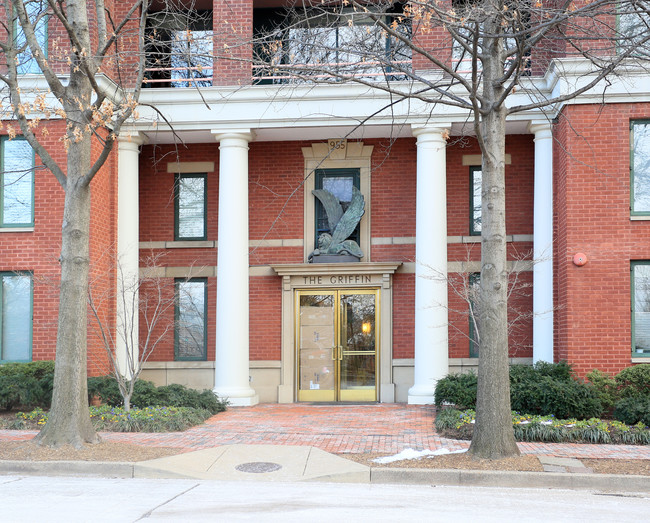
(638, 218)
(16, 229)
(641, 359)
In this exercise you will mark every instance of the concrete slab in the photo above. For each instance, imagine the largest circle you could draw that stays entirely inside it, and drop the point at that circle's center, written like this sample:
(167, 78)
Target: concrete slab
(231, 462)
(554, 468)
(560, 462)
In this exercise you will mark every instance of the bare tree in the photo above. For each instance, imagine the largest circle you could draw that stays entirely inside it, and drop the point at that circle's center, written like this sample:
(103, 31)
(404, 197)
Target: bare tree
(147, 319)
(82, 73)
(480, 57)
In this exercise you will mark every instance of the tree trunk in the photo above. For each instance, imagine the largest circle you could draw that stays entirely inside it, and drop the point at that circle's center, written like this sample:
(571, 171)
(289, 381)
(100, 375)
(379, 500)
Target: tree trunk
(69, 419)
(493, 436)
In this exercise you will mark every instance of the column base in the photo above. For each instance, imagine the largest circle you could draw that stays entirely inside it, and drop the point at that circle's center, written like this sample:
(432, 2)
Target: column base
(238, 396)
(421, 395)
(421, 400)
(244, 402)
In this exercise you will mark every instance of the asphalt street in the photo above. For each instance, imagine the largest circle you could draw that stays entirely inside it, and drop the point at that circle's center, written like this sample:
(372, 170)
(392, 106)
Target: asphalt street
(70, 500)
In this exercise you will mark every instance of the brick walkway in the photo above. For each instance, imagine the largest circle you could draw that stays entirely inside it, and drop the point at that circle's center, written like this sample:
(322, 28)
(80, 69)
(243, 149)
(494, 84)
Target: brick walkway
(382, 428)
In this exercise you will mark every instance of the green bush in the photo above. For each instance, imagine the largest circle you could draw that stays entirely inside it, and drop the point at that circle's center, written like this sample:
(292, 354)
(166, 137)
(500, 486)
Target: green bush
(558, 371)
(544, 388)
(115, 419)
(148, 419)
(458, 390)
(26, 384)
(633, 410)
(146, 394)
(634, 381)
(605, 387)
(562, 399)
(105, 388)
(35, 369)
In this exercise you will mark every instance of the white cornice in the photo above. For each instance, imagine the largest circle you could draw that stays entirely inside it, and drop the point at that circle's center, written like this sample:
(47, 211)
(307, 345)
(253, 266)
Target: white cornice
(303, 112)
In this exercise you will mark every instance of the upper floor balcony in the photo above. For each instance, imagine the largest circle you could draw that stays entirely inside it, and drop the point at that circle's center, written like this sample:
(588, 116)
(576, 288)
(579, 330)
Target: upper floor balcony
(282, 45)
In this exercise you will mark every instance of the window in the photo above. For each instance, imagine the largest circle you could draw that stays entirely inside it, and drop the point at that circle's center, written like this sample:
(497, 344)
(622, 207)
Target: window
(339, 182)
(16, 183)
(179, 47)
(342, 40)
(26, 63)
(15, 317)
(640, 167)
(475, 179)
(632, 27)
(190, 207)
(473, 295)
(641, 309)
(190, 335)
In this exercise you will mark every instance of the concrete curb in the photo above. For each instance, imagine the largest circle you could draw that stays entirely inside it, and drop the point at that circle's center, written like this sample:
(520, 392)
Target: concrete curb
(97, 469)
(477, 478)
(514, 479)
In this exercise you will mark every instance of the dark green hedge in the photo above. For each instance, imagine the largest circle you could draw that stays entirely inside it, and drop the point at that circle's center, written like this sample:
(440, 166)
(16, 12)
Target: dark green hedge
(544, 388)
(146, 394)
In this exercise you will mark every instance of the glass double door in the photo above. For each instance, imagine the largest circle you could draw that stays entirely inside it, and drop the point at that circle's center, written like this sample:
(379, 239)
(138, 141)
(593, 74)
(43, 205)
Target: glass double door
(337, 339)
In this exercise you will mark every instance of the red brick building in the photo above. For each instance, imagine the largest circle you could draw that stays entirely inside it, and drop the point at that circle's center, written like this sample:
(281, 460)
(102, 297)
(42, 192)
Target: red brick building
(230, 215)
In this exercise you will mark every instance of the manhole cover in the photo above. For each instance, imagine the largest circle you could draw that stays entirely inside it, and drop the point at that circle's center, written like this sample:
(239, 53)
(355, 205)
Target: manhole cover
(257, 467)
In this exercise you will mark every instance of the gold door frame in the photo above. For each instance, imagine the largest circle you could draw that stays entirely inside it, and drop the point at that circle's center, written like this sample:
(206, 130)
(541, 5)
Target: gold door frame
(337, 350)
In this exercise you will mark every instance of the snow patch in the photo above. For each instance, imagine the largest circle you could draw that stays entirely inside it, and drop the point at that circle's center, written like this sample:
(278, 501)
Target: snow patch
(416, 454)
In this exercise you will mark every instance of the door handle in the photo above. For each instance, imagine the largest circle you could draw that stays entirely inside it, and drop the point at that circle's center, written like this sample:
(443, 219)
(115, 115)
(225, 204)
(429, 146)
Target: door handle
(334, 349)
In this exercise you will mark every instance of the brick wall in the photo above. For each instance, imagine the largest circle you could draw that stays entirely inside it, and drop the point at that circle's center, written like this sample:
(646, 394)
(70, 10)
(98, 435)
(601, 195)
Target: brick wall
(592, 206)
(276, 170)
(38, 251)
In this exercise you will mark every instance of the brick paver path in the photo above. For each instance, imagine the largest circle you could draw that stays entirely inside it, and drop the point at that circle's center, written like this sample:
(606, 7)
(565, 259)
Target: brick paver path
(383, 428)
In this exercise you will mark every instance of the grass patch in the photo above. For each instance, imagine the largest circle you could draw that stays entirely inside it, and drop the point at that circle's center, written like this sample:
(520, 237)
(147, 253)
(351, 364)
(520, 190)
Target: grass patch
(452, 423)
(116, 419)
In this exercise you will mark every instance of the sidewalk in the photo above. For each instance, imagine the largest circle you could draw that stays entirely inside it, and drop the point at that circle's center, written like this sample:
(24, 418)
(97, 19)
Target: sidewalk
(269, 434)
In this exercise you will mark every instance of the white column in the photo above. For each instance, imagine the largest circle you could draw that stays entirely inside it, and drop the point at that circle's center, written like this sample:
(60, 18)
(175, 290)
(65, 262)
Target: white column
(232, 351)
(431, 313)
(543, 243)
(128, 254)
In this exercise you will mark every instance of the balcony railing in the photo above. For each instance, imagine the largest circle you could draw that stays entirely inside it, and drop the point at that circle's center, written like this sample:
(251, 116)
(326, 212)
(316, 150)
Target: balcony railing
(297, 73)
(178, 76)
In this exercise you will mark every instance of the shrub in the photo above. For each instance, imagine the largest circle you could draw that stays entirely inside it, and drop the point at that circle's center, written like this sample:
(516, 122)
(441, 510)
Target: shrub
(559, 371)
(26, 384)
(605, 387)
(563, 399)
(634, 381)
(34, 369)
(148, 419)
(115, 419)
(146, 394)
(457, 389)
(633, 410)
(104, 387)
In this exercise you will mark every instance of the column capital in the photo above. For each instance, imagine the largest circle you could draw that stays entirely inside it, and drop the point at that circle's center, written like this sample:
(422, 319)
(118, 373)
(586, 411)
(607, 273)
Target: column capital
(133, 138)
(238, 134)
(436, 131)
(541, 128)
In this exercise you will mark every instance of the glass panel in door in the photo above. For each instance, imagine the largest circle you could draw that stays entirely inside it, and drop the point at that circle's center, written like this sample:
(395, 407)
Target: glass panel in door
(317, 347)
(358, 342)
